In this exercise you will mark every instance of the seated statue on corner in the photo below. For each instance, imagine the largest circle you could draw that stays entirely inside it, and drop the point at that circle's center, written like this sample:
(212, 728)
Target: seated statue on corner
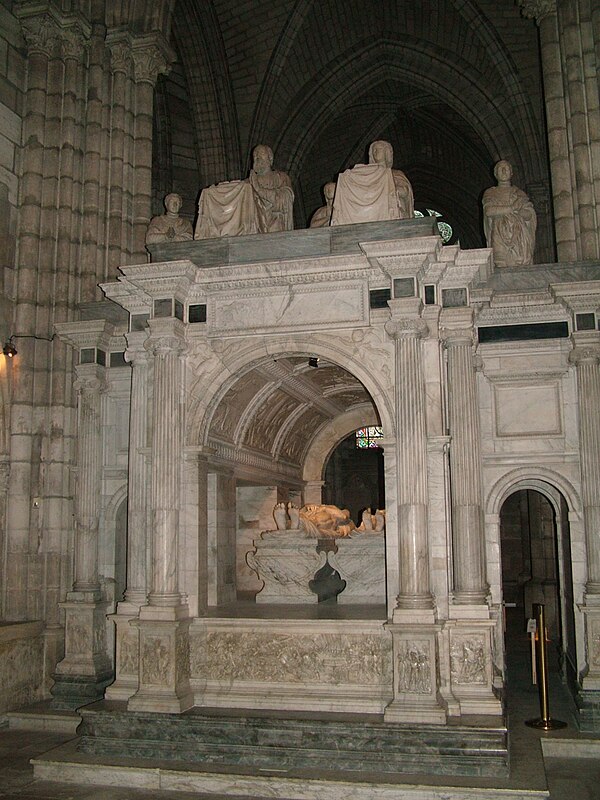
(263, 203)
(316, 520)
(509, 220)
(373, 191)
(322, 216)
(169, 227)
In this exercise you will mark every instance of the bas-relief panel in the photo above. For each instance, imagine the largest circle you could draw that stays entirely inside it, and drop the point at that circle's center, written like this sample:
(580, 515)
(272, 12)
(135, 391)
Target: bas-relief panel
(299, 437)
(468, 662)
(289, 308)
(21, 673)
(533, 409)
(324, 658)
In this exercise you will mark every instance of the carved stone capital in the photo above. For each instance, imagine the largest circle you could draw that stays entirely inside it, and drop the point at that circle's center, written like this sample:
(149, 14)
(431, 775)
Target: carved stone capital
(72, 43)
(585, 354)
(537, 9)
(407, 327)
(149, 62)
(166, 344)
(91, 379)
(120, 56)
(41, 35)
(137, 352)
(457, 337)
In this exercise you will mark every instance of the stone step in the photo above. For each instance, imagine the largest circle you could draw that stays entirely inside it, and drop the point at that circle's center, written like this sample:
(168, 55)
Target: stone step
(344, 743)
(66, 764)
(41, 717)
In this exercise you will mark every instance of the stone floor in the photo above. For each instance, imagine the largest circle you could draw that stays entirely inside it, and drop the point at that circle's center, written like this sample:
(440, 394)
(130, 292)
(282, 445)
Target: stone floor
(537, 758)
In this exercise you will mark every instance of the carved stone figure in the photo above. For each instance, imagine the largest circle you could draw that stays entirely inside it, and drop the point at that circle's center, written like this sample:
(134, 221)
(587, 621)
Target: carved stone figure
(273, 193)
(381, 152)
(322, 216)
(316, 520)
(373, 191)
(261, 204)
(509, 220)
(372, 523)
(169, 227)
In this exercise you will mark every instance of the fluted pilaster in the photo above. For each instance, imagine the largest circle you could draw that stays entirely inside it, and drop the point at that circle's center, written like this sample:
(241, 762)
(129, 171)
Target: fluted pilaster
(406, 328)
(465, 459)
(586, 357)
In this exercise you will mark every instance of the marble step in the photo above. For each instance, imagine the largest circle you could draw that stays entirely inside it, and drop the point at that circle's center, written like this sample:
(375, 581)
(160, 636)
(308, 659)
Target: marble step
(342, 743)
(67, 764)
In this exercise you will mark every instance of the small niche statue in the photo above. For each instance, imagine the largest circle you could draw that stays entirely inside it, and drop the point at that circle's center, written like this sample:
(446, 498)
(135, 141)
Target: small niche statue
(169, 227)
(322, 216)
(509, 220)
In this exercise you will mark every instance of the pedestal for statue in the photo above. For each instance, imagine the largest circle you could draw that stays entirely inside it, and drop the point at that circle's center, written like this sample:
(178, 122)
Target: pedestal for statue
(286, 562)
(360, 561)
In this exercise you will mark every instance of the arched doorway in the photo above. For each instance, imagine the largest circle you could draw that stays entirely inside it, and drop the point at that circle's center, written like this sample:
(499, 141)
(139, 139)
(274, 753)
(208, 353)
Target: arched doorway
(536, 567)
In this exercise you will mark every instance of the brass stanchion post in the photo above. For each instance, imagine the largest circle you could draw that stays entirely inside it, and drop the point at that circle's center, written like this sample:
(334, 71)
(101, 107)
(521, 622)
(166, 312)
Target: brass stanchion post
(545, 722)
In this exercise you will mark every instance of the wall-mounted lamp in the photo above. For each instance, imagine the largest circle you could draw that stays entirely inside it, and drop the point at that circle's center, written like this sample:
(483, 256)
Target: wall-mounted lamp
(313, 361)
(9, 350)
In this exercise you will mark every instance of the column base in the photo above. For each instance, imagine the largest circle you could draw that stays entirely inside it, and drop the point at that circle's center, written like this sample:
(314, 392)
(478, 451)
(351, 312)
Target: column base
(416, 689)
(588, 695)
(81, 677)
(126, 681)
(472, 665)
(164, 661)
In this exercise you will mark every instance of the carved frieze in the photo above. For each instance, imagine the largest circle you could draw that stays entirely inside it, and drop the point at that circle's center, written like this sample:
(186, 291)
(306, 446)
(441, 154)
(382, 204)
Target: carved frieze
(128, 654)
(286, 658)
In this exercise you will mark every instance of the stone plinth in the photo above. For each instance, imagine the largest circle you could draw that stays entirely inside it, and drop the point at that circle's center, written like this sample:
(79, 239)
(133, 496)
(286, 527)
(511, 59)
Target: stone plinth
(286, 562)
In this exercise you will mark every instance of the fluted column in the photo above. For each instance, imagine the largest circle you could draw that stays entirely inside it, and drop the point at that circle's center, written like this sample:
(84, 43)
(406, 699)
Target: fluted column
(166, 343)
(163, 625)
(85, 669)
(465, 459)
(586, 357)
(127, 638)
(89, 384)
(406, 328)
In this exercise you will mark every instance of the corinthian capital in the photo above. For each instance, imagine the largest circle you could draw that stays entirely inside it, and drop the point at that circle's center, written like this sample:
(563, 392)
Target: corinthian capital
(537, 9)
(585, 354)
(406, 327)
(120, 56)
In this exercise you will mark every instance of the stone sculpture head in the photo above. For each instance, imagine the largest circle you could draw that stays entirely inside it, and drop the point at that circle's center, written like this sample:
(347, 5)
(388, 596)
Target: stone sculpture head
(262, 159)
(503, 172)
(329, 192)
(381, 152)
(173, 203)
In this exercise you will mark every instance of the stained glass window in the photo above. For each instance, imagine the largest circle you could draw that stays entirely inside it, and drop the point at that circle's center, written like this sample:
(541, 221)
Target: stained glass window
(369, 437)
(444, 228)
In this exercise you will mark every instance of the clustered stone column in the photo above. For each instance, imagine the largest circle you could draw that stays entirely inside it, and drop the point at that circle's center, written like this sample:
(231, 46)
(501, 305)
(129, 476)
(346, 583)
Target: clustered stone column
(127, 639)
(569, 40)
(414, 632)
(465, 458)
(85, 670)
(164, 622)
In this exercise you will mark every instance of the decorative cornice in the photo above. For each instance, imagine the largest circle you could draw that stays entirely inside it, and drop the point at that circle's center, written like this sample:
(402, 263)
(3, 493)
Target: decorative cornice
(537, 9)
(87, 333)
